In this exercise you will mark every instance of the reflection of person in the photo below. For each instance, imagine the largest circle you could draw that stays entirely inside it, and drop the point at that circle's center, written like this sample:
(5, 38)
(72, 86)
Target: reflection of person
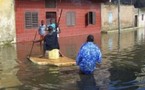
(88, 56)
(50, 40)
(87, 82)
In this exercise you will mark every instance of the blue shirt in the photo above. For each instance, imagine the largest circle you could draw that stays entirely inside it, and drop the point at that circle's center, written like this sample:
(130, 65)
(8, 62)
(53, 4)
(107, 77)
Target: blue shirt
(53, 25)
(42, 29)
(88, 56)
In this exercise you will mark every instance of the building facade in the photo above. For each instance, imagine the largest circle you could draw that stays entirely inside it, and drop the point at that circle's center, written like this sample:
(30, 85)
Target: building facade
(141, 17)
(109, 16)
(76, 17)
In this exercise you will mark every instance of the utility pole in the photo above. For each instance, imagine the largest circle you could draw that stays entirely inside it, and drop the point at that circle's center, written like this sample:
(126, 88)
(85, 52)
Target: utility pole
(119, 26)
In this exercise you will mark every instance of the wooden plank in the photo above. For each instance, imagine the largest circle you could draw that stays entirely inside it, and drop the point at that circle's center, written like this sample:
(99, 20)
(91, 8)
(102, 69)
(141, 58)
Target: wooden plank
(62, 61)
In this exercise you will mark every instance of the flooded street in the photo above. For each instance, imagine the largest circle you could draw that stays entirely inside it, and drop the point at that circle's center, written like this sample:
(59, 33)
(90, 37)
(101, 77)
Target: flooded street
(123, 66)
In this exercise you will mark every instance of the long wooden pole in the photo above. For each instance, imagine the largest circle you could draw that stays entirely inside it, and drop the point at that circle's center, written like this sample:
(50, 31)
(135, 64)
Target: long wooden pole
(33, 44)
(59, 16)
(59, 29)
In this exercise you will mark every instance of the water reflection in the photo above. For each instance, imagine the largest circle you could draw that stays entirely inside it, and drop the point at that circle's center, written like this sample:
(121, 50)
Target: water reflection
(111, 43)
(126, 71)
(70, 46)
(8, 67)
(87, 82)
(123, 66)
(39, 77)
(140, 34)
(47, 77)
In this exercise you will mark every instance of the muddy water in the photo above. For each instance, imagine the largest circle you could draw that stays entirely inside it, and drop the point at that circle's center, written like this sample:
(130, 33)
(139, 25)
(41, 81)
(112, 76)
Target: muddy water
(123, 66)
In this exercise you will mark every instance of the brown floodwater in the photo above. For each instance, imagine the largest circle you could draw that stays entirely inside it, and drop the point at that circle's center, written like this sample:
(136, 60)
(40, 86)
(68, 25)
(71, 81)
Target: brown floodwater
(123, 66)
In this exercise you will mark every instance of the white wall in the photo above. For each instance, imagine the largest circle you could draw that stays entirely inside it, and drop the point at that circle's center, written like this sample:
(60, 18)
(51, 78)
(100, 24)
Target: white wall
(141, 17)
(7, 22)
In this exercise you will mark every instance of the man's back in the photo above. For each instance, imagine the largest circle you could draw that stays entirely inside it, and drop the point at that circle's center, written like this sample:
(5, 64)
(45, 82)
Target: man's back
(88, 56)
(51, 41)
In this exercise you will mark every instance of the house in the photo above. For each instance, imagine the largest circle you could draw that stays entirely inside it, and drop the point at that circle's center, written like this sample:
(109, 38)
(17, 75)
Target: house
(140, 5)
(109, 15)
(76, 17)
(131, 14)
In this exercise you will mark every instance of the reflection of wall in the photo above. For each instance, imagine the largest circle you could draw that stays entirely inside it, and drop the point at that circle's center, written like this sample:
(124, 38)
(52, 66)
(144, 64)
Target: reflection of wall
(140, 34)
(7, 21)
(70, 46)
(110, 41)
(109, 16)
(8, 68)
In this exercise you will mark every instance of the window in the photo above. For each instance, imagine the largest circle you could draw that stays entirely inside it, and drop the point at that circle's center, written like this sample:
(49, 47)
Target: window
(50, 3)
(31, 20)
(90, 18)
(110, 17)
(70, 18)
(50, 16)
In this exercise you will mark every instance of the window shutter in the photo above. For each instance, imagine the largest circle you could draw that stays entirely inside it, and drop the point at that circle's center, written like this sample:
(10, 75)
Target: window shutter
(31, 20)
(35, 19)
(86, 19)
(28, 20)
(68, 19)
(73, 18)
(94, 18)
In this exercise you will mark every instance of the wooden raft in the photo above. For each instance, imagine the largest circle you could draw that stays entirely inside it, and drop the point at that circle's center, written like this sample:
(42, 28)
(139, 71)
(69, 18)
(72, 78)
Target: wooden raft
(62, 61)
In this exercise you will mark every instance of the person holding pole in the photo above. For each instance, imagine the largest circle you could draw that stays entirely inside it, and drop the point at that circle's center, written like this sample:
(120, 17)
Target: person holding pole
(50, 41)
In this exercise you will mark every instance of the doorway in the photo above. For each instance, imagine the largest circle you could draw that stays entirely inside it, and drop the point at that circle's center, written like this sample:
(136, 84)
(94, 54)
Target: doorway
(50, 16)
(136, 21)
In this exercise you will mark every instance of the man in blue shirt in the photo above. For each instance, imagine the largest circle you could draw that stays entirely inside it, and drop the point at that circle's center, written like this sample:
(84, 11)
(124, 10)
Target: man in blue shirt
(88, 56)
(53, 25)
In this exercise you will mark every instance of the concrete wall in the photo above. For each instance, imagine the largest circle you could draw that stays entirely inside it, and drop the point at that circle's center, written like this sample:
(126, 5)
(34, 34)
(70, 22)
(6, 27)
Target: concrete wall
(109, 14)
(141, 17)
(7, 21)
